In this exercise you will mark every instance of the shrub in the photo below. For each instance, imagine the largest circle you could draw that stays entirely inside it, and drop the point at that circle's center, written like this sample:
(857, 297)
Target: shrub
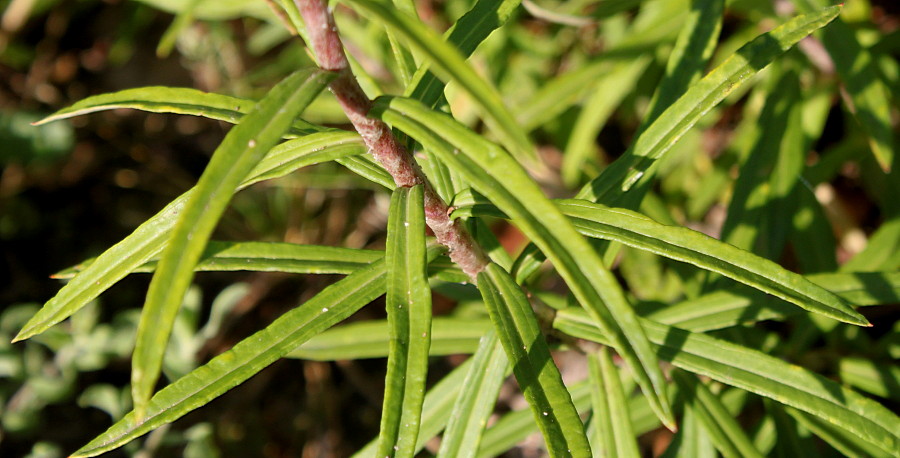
(675, 327)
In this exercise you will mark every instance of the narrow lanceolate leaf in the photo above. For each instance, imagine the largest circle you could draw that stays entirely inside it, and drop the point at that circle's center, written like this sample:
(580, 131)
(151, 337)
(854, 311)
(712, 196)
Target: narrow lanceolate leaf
(148, 239)
(409, 315)
(616, 435)
(683, 244)
(272, 257)
(371, 339)
(466, 34)
(483, 164)
(846, 443)
(869, 97)
(722, 428)
(162, 99)
(251, 355)
(759, 373)
(241, 150)
(448, 62)
(697, 101)
(537, 374)
(435, 410)
(706, 252)
(476, 400)
(512, 428)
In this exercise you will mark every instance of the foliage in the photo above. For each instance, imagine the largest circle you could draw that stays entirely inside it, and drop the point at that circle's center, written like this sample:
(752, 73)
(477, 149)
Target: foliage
(701, 273)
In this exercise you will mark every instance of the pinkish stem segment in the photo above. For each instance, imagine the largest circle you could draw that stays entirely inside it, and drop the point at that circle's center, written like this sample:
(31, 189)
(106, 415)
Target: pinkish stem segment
(381, 141)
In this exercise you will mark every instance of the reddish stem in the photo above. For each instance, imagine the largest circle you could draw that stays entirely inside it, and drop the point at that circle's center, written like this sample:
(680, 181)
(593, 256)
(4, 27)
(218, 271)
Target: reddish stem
(381, 142)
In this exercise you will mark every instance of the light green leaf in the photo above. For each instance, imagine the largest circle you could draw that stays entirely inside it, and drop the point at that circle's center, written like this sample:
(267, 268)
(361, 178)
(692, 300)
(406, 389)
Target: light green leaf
(616, 436)
(466, 34)
(537, 374)
(181, 21)
(435, 410)
(880, 379)
(515, 426)
(450, 63)
(148, 239)
(267, 257)
(676, 120)
(758, 373)
(848, 444)
(706, 252)
(162, 99)
(408, 306)
(370, 339)
(482, 163)
(869, 96)
(476, 400)
(251, 355)
(682, 244)
(241, 150)
(722, 428)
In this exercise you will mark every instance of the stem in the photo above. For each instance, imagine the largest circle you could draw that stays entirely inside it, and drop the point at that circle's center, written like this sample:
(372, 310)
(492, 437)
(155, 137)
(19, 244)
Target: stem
(386, 149)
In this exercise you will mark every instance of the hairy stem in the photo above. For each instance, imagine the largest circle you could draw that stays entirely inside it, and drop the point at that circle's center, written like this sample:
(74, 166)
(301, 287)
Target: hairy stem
(386, 149)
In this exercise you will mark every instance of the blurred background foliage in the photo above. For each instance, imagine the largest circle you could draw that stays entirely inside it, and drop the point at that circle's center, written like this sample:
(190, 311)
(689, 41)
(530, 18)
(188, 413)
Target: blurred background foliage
(69, 190)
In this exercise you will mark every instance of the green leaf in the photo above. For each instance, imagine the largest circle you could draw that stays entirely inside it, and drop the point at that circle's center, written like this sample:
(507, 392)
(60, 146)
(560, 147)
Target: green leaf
(466, 34)
(869, 375)
(475, 403)
(515, 426)
(162, 99)
(537, 374)
(482, 163)
(686, 245)
(758, 373)
(370, 339)
(869, 97)
(335, 303)
(435, 410)
(708, 253)
(720, 309)
(722, 428)
(241, 150)
(848, 444)
(409, 316)
(676, 120)
(182, 20)
(267, 257)
(448, 62)
(616, 436)
(148, 239)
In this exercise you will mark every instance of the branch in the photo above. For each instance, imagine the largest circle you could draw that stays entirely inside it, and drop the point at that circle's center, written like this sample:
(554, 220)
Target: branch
(386, 149)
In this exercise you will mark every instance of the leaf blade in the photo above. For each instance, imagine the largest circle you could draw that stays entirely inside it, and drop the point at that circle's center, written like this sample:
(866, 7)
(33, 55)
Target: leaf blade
(409, 316)
(234, 159)
(538, 376)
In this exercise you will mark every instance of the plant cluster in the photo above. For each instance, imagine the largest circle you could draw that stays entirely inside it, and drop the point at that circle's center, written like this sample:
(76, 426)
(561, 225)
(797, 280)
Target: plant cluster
(658, 124)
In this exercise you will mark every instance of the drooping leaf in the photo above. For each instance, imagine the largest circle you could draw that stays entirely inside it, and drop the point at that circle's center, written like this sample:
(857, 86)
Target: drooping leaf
(163, 99)
(408, 306)
(537, 374)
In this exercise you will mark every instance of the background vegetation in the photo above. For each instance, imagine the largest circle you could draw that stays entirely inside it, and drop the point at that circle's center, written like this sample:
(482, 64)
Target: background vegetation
(579, 78)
